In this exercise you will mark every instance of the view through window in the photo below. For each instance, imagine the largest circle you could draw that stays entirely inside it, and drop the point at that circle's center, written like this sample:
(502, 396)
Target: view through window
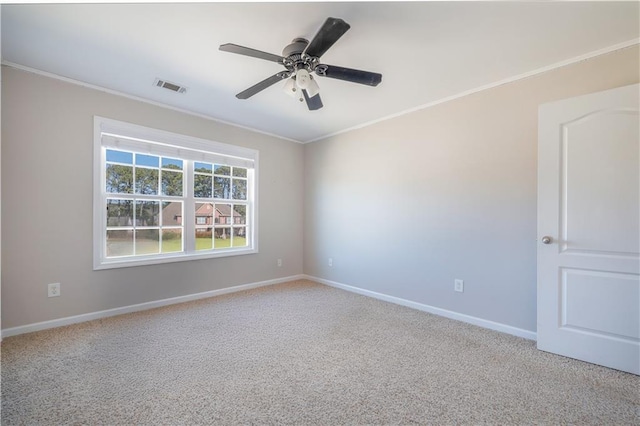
(171, 201)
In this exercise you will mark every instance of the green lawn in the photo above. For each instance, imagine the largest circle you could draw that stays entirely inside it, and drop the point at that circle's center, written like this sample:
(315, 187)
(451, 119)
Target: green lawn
(169, 246)
(124, 247)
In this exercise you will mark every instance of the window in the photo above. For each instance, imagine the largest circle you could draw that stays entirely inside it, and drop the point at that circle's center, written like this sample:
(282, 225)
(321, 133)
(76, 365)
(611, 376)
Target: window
(162, 197)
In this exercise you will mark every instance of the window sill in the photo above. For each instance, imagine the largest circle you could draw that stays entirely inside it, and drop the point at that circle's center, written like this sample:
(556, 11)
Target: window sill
(123, 262)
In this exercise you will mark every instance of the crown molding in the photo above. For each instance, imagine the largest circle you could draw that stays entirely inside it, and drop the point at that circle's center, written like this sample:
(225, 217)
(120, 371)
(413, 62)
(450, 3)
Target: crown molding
(590, 55)
(139, 99)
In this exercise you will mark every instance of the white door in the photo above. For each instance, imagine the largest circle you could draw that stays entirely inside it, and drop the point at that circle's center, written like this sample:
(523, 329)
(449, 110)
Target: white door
(589, 228)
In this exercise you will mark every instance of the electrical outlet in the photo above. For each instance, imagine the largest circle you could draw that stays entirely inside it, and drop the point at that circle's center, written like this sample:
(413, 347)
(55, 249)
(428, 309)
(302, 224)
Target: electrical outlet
(458, 285)
(279, 263)
(53, 290)
(330, 261)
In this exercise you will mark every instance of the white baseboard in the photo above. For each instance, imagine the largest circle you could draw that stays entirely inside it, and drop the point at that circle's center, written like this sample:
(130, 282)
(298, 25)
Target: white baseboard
(187, 298)
(431, 309)
(140, 307)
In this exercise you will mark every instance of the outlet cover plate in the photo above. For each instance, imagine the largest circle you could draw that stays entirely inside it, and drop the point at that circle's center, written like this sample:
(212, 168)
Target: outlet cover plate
(53, 290)
(458, 285)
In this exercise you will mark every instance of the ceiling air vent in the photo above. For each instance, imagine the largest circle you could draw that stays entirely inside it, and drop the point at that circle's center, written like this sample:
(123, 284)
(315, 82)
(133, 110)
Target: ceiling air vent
(169, 86)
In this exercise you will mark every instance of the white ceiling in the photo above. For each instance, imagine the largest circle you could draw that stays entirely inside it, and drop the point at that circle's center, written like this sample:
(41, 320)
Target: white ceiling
(426, 51)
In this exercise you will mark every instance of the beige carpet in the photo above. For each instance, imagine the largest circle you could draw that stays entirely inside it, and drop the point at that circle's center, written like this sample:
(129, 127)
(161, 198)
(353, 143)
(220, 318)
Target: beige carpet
(299, 353)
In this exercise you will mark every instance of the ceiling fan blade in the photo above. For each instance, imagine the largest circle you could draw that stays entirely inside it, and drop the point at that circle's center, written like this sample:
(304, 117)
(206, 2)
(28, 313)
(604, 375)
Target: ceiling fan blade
(327, 35)
(314, 102)
(348, 74)
(246, 94)
(241, 50)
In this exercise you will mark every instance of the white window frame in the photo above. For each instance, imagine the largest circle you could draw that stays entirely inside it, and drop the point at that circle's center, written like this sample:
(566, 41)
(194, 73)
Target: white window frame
(120, 135)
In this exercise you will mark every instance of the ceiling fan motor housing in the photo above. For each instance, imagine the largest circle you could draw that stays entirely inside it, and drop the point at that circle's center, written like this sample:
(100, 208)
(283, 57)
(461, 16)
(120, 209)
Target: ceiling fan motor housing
(297, 46)
(294, 58)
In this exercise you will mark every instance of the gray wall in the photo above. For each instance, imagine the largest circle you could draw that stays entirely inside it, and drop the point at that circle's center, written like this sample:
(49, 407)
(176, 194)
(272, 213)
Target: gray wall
(403, 206)
(47, 135)
(407, 205)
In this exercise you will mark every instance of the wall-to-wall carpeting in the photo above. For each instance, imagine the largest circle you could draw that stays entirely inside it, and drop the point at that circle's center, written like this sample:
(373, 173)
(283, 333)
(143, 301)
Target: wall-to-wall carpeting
(299, 353)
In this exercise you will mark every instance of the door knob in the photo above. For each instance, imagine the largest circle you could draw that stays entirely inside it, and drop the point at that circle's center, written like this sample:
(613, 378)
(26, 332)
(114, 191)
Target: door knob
(546, 239)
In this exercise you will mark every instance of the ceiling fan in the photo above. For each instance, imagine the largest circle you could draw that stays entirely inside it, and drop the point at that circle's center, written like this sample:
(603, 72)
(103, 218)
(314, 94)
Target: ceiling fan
(301, 59)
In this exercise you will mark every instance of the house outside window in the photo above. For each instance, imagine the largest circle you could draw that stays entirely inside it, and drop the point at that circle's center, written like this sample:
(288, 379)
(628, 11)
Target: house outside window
(147, 181)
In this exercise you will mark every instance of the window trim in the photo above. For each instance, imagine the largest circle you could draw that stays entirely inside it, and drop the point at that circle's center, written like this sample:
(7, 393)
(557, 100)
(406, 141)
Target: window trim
(190, 148)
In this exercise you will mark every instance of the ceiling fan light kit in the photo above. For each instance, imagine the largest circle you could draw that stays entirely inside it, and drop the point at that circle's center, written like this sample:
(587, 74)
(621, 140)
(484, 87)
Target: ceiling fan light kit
(290, 88)
(301, 59)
